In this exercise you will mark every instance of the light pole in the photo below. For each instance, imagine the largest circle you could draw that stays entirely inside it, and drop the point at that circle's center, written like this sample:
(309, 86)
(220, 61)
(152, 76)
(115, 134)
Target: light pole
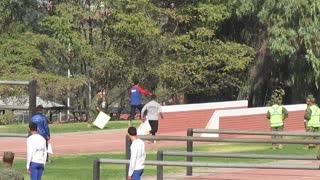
(69, 74)
(68, 99)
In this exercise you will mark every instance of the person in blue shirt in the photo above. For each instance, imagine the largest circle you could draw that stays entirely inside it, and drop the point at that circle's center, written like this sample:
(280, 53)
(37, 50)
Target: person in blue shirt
(42, 123)
(135, 99)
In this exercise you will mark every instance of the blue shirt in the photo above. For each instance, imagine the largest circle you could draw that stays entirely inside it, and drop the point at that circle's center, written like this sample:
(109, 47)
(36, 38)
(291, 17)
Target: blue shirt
(135, 96)
(42, 124)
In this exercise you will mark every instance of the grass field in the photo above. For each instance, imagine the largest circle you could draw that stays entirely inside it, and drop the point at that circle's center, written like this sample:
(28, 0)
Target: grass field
(79, 167)
(68, 127)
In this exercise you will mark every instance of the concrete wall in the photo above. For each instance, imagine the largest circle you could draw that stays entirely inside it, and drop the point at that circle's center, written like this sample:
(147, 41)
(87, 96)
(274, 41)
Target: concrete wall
(178, 118)
(254, 119)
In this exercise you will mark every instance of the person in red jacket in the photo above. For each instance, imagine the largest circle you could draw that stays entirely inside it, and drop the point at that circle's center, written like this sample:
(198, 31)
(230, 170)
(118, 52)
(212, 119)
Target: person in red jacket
(135, 99)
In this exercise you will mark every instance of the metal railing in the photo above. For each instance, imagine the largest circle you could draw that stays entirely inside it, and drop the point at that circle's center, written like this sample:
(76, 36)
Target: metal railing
(160, 164)
(236, 155)
(13, 135)
(244, 132)
(191, 131)
(190, 140)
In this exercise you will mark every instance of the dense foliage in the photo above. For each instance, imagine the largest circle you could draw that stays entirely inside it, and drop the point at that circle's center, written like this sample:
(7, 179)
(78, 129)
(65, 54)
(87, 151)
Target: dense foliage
(205, 50)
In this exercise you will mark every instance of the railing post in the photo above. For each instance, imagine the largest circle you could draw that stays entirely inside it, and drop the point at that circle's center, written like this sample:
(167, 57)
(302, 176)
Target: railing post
(160, 167)
(189, 149)
(128, 144)
(96, 169)
(32, 97)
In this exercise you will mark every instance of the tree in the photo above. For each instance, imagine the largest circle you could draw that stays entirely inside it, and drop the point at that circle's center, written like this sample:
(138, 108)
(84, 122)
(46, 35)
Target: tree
(196, 61)
(285, 35)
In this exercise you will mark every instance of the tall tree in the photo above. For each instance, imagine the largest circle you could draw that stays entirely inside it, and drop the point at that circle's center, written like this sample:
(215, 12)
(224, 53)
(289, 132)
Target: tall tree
(196, 61)
(284, 34)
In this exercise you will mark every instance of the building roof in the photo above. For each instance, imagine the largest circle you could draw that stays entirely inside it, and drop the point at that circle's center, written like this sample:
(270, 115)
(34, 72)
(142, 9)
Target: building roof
(22, 102)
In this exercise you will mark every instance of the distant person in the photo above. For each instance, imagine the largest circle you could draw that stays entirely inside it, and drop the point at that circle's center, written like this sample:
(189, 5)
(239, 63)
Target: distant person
(42, 123)
(8, 172)
(173, 100)
(309, 101)
(153, 109)
(98, 104)
(135, 99)
(311, 117)
(277, 114)
(137, 155)
(36, 153)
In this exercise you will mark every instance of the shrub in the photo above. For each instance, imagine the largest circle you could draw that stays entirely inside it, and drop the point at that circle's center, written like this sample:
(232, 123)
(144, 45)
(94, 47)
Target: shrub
(6, 118)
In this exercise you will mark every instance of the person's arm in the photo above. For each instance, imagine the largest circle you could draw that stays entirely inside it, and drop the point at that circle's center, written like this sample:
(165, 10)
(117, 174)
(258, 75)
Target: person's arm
(133, 159)
(29, 155)
(268, 114)
(143, 91)
(161, 115)
(129, 90)
(46, 127)
(99, 104)
(307, 114)
(284, 112)
(160, 111)
(143, 110)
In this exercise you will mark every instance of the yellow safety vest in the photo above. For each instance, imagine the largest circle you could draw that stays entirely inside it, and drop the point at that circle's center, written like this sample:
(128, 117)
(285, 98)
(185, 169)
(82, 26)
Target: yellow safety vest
(314, 119)
(276, 115)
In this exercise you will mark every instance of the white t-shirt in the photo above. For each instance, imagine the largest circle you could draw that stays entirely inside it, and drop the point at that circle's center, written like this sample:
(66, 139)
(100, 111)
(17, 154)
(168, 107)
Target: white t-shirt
(153, 109)
(138, 156)
(36, 150)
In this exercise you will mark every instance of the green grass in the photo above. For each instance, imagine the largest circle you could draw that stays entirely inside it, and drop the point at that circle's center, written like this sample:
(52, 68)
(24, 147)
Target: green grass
(68, 127)
(79, 167)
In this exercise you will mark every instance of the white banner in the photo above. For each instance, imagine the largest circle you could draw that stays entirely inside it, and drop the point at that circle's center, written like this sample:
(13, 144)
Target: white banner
(50, 148)
(144, 128)
(101, 120)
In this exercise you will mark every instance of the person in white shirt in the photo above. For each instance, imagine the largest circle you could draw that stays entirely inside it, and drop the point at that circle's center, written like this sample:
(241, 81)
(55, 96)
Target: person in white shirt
(153, 109)
(36, 153)
(137, 155)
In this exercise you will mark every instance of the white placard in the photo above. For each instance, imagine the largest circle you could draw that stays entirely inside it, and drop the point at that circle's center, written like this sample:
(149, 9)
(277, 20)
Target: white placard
(101, 120)
(144, 128)
(50, 148)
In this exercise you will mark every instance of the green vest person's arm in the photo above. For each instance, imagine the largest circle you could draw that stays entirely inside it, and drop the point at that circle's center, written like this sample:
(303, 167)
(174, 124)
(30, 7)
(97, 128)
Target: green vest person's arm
(285, 113)
(307, 114)
(268, 114)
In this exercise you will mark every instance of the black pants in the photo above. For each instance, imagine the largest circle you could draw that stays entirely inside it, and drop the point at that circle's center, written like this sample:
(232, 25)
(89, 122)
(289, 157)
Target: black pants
(47, 152)
(133, 111)
(154, 126)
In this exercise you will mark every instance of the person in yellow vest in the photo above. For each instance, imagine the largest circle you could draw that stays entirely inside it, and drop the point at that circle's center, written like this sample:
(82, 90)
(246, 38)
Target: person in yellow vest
(276, 114)
(312, 115)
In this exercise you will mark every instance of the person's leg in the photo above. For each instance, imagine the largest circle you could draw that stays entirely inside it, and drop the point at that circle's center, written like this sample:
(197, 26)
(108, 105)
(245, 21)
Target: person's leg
(132, 114)
(36, 170)
(274, 145)
(92, 116)
(140, 106)
(155, 127)
(309, 129)
(280, 129)
(40, 169)
(33, 171)
(47, 152)
(316, 129)
(152, 131)
(137, 174)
